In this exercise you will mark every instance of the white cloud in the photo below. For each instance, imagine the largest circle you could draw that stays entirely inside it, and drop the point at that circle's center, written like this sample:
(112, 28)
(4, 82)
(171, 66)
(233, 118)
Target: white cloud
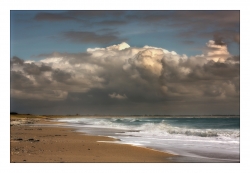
(217, 53)
(29, 62)
(148, 60)
(117, 96)
(121, 46)
(118, 47)
(142, 73)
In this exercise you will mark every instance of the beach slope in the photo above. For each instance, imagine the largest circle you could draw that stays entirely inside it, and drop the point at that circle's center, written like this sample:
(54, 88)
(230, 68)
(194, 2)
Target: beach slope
(48, 143)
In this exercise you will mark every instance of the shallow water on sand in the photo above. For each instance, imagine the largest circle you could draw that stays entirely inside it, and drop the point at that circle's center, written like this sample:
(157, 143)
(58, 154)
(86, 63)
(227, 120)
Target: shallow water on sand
(192, 139)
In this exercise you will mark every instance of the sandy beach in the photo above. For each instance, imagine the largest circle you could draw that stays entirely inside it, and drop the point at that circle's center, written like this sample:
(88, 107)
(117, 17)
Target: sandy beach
(48, 143)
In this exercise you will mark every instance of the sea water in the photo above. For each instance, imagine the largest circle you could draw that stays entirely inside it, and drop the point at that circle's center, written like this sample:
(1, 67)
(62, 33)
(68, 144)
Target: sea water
(190, 139)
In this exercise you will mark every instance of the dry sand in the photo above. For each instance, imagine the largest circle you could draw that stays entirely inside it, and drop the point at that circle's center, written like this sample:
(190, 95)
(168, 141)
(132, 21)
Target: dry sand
(31, 142)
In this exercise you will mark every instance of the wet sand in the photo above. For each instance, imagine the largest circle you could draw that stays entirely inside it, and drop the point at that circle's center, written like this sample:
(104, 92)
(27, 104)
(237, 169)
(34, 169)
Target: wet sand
(49, 143)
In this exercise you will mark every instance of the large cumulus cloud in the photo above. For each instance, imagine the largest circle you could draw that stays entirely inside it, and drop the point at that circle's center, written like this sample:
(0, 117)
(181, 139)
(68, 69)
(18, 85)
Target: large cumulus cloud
(130, 77)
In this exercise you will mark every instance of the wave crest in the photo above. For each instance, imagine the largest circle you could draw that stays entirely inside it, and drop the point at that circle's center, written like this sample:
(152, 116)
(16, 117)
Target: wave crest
(163, 128)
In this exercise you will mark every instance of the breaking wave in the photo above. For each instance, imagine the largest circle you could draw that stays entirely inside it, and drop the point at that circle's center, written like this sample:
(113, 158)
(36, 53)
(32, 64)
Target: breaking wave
(163, 128)
(155, 128)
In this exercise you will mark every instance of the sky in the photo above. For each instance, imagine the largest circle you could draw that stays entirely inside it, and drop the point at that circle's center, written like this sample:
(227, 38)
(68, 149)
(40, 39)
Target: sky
(157, 62)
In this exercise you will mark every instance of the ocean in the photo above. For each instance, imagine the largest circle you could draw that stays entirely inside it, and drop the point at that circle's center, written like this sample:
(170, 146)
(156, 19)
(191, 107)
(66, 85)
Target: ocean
(190, 139)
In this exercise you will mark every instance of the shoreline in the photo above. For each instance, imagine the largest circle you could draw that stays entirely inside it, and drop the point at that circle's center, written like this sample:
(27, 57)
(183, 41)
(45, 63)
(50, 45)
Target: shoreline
(126, 116)
(34, 143)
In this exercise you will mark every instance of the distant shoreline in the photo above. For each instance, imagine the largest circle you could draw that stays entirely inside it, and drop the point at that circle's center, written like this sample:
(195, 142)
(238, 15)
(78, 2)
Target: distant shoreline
(128, 116)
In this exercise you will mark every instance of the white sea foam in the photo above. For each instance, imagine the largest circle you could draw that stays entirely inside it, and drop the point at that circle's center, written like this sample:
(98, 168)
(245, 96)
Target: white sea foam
(162, 135)
(156, 129)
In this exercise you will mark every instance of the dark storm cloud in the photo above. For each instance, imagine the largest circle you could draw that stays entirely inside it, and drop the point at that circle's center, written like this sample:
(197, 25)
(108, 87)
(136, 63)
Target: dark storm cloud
(89, 37)
(222, 36)
(216, 71)
(61, 76)
(218, 39)
(52, 17)
(43, 81)
(33, 69)
(189, 23)
(16, 60)
(220, 18)
(45, 68)
(222, 69)
(20, 81)
(220, 25)
(189, 18)
(234, 58)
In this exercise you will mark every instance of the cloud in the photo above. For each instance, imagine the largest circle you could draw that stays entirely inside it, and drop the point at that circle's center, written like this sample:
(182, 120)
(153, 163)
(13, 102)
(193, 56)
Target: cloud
(145, 78)
(112, 22)
(77, 15)
(200, 19)
(20, 81)
(193, 19)
(221, 37)
(189, 23)
(33, 69)
(117, 96)
(218, 40)
(60, 76)
(95, 13)
(16, 60)
(89, 37)
(52, 17)
(217, 51)
(223, 25)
